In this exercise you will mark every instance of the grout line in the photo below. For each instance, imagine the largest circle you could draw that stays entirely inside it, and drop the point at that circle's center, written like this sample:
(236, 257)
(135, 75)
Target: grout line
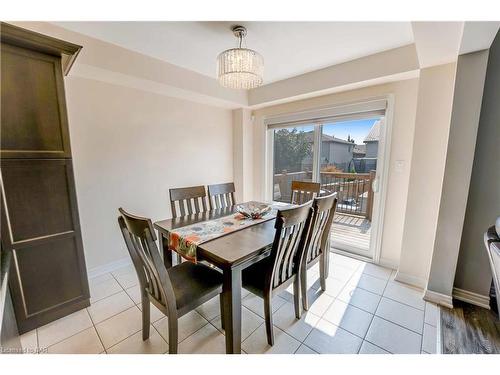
(373, 317)
(395, 300)
(295, 352)
(76, 333)
(97, 332)
(118, 342)
(423, 330)
(37, 342)
(100, 299)
(399, 325)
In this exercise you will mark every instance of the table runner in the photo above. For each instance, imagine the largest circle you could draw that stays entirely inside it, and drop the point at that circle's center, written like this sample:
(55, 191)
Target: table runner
(185, 240)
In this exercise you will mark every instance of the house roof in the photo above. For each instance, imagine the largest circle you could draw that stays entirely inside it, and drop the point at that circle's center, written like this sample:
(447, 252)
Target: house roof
(359, 149)
(374, 134)
(326, 138)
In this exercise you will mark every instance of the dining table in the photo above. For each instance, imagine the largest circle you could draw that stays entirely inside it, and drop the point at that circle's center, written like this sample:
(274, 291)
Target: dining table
(231, 253)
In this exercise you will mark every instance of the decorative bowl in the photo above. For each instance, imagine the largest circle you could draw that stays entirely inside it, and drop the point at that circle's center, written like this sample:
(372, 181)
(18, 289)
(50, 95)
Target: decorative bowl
(253, 210)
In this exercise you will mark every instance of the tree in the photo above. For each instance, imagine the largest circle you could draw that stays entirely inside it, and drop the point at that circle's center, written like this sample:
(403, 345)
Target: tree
(291, 147)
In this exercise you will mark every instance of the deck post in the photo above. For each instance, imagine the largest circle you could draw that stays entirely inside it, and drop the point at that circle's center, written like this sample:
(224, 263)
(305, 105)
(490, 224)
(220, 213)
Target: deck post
(369, 203)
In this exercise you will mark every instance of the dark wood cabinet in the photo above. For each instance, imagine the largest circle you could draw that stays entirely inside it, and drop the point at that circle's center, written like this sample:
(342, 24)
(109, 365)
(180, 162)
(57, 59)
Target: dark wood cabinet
(40, 222)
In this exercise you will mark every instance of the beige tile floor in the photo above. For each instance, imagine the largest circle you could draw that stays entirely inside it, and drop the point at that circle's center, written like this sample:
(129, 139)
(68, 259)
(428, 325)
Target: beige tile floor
(363, 310)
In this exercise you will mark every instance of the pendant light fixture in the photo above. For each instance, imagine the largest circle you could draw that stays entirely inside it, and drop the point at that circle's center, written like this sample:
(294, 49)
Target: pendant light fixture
(240, 68)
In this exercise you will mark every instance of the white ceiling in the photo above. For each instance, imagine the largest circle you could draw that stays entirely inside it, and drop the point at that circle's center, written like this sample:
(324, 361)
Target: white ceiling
(288, 48)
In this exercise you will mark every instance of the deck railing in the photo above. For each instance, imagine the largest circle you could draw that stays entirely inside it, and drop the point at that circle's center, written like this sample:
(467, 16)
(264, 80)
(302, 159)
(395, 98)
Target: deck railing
(354, 190)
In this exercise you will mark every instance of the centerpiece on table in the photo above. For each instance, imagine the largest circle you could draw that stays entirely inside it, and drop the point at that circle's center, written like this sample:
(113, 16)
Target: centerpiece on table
(253, 210)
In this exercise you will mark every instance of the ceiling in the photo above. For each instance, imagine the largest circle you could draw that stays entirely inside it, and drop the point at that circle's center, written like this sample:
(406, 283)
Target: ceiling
(288, 48)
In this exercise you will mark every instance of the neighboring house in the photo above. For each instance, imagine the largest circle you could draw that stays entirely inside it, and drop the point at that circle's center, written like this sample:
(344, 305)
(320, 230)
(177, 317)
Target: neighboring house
(359, 151)
(371, 141)
(334, 151)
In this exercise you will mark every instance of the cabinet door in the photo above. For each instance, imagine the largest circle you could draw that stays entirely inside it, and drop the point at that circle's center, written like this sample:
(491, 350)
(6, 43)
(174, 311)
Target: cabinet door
(40, 224)
(34, 119)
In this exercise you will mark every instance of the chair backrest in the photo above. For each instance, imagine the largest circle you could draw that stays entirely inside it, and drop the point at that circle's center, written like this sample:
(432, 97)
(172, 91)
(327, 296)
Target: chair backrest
(221, 195)
(304, 191)
(321, 223)
(190, 200)
(292, 226)
(139, 237)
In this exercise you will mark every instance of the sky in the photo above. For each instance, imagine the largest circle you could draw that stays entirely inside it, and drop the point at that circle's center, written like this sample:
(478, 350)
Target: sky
(357, 129)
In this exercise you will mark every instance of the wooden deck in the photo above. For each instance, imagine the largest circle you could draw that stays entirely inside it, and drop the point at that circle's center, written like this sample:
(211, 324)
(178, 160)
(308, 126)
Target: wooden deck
(353, 231)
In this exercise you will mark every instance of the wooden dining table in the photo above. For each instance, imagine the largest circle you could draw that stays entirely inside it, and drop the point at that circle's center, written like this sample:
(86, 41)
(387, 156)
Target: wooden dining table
(231, 253)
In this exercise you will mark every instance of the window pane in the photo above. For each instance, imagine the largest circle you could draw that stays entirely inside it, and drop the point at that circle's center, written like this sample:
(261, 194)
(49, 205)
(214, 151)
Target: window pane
(293, 159)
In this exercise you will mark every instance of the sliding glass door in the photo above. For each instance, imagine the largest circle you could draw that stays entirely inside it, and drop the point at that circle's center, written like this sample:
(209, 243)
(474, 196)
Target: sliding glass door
(343, 157)
(293, 151)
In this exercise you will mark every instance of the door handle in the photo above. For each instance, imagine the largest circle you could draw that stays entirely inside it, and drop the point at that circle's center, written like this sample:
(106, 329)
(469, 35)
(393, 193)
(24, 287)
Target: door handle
(375, 185)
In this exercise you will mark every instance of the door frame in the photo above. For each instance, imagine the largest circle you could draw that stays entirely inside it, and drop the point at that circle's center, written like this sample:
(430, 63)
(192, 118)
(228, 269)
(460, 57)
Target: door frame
(382, 175)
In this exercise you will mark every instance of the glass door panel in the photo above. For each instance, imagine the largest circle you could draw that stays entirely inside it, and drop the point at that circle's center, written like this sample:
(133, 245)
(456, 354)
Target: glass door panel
(347, 166)
(293, 159)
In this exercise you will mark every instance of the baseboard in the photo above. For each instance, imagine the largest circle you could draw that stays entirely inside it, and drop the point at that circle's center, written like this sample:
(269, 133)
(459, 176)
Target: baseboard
(438, 298)
(109, 267)
(410, 279)
(472, 298)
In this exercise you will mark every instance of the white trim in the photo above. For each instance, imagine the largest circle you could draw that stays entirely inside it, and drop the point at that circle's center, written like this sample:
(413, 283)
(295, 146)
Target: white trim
(410, 279)
(109, 267)
(380, 198)
(269, 166)
(384, 263)
(350, 254)
(472, 298)
(438, 298)
(326, 113)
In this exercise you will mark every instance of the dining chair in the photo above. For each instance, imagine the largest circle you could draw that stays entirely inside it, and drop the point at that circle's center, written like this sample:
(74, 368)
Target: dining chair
(282, 267)
(221, 195)
(304, 191)
(189, 200)
(318, 242)
(174, 291)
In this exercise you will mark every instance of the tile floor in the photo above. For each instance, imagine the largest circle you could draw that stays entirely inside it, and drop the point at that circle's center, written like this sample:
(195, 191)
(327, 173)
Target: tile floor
(363, 310)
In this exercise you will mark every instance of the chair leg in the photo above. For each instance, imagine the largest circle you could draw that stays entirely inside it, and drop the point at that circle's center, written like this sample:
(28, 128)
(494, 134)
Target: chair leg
(145, 317)
(303, 287)
(322, 271)
(268, 313)
(296, 297)
(222, 316)
(172, 335)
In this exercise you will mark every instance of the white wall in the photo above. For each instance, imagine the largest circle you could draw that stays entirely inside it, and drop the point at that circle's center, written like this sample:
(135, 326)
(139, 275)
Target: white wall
(432, 125)
(405, 98)
(129, 147)
(243, 154)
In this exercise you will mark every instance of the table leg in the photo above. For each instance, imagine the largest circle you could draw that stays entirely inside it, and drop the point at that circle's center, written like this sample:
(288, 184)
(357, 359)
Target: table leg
(231, 292)
(167, 253)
